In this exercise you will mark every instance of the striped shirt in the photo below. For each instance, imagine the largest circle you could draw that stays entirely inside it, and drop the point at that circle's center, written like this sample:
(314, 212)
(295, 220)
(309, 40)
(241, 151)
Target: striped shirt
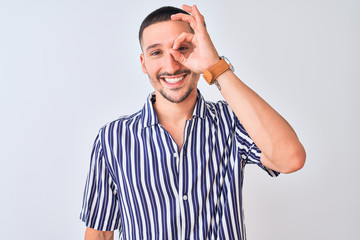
(141, 183)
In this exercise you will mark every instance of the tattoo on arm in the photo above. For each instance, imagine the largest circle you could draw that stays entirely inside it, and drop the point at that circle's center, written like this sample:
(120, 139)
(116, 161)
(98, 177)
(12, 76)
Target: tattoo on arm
(217, 84)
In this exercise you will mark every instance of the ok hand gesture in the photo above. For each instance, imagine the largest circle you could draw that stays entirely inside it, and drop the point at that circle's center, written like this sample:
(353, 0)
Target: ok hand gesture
(204, 54)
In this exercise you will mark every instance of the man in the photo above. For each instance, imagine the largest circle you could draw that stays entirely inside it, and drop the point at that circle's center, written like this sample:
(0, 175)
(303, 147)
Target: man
(174, 170)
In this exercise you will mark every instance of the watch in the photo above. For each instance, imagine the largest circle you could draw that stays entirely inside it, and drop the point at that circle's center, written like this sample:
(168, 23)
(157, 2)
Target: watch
(219, 68)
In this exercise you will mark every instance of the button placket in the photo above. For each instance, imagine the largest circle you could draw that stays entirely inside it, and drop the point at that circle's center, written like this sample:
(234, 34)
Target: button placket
(176, 157)
(183, 194)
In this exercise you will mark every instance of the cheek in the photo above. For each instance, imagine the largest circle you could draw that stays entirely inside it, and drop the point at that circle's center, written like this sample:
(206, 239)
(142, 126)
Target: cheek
(152, 68)
(195, 77)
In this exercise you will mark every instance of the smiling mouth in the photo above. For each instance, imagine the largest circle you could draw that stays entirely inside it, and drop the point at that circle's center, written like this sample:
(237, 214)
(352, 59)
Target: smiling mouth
(173, 79)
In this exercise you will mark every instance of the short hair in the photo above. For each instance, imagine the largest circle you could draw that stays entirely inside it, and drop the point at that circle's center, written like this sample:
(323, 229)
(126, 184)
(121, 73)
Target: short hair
(160, 15)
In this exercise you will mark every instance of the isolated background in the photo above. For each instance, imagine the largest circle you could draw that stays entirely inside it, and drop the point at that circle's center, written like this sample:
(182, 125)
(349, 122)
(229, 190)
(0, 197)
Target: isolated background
(69, 67)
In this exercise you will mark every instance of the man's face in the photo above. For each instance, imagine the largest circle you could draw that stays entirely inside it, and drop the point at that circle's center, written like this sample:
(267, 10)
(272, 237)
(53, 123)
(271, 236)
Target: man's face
(171, 79)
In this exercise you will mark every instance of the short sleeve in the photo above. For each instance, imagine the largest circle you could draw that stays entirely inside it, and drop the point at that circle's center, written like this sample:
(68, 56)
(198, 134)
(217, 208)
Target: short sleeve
(100, 208)
(247, 150)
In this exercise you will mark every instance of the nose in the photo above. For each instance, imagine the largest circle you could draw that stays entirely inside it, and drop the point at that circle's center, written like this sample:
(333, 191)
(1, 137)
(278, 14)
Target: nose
(170, 65)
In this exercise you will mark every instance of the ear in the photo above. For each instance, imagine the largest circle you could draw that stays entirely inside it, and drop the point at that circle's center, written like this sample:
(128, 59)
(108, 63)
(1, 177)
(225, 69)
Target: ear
(142, 60)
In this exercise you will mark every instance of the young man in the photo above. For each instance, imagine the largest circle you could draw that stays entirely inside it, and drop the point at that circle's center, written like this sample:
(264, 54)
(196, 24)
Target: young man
(174, 170)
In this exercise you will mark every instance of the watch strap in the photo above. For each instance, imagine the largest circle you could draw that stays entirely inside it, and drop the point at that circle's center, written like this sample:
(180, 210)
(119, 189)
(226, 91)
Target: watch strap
(211, 74)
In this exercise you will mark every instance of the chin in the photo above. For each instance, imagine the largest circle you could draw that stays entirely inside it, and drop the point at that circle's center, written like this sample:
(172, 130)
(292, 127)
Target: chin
(176, 99)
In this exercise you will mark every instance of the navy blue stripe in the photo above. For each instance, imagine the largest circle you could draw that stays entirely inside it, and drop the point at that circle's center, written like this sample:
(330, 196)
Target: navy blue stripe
(138, 177)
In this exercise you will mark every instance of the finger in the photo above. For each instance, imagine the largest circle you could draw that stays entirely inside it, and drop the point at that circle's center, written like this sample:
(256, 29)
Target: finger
(187, 8)
(183, 37)
(179, 57)
(196, 13)
(184, 17)
(181, 16)
(196, 20)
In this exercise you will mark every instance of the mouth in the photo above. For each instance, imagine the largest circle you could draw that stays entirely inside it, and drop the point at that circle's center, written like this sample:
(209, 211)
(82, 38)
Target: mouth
(174, 79)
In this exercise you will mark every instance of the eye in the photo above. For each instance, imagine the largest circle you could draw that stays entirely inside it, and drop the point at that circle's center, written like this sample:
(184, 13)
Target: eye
(182, 48)
(155, 53)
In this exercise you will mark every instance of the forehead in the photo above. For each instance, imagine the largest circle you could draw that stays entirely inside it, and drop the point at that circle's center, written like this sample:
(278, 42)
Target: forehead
(163, 33)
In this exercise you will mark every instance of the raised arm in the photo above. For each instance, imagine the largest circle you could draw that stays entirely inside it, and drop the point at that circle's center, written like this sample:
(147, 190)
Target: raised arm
(280, 146)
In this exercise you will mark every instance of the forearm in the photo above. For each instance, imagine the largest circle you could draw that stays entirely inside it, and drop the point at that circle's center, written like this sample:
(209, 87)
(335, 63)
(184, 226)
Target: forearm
(281, 149)
(92, 234)
(280, 146)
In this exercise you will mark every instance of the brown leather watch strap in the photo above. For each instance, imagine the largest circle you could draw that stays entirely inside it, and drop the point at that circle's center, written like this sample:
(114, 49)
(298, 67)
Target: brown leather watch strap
(215, 71)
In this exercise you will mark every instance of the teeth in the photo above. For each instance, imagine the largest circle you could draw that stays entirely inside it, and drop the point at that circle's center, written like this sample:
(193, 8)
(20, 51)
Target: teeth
(173, 80)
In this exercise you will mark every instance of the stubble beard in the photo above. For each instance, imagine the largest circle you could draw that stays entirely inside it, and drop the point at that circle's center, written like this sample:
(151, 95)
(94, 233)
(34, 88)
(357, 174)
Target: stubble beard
(168, 96)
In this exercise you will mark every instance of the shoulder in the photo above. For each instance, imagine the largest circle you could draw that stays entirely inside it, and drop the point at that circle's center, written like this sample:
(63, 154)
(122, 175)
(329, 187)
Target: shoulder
(219, 105)
(220, 109)
(124, 121)
(222, 115)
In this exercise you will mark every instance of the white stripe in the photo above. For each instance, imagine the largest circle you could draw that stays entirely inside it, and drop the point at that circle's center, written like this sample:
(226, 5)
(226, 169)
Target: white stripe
(129, 186)
(190, 178)
(126, 207)
(199, 173)
(152, 180)
(224, 157)
(173, 191)
(143, 181)
(134, 175)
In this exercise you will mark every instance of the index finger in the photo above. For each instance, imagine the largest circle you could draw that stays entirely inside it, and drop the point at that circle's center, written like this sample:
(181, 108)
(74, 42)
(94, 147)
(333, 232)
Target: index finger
(183, 37)
(194, 11)
(186, 18)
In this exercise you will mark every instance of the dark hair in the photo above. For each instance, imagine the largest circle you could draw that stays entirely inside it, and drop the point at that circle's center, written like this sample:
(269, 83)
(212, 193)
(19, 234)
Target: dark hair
(160, 15)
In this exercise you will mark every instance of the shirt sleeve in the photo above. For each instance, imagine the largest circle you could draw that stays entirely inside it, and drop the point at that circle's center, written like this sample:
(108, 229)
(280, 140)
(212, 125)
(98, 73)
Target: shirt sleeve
(248, 152)
(100, 208)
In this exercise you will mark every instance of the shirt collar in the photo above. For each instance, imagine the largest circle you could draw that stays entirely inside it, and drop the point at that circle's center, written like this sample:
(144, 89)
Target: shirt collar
(149, 117)
(200, 106)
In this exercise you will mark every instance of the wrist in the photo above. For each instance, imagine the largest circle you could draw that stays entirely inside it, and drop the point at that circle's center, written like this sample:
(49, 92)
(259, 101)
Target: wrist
(211, 62)
(217, 69)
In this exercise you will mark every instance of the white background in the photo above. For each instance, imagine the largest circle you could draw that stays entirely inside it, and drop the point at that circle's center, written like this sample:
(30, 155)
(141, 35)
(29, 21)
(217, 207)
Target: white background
(69, 67)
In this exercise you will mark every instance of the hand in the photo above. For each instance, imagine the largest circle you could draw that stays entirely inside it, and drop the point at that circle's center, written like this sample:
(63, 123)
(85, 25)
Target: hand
(204, 54)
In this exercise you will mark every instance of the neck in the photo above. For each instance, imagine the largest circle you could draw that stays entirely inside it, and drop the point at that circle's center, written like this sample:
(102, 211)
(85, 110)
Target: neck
(168, 112)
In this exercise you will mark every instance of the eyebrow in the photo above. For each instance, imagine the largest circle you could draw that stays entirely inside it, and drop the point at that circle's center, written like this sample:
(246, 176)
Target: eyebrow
(153, 46)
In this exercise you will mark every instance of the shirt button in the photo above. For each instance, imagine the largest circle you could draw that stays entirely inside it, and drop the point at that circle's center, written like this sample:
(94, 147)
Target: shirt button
(175, 155)
(185, 197)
